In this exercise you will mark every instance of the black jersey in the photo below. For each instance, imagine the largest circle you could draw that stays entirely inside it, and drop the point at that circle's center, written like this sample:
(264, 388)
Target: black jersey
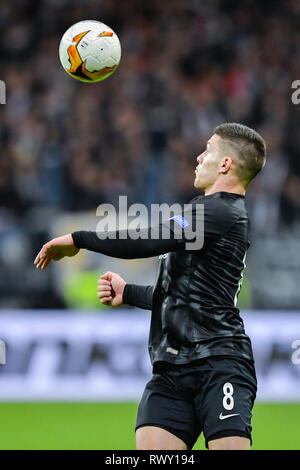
(193, 301)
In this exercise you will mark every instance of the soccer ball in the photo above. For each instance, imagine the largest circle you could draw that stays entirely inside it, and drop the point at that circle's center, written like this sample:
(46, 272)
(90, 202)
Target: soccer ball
(90, 51)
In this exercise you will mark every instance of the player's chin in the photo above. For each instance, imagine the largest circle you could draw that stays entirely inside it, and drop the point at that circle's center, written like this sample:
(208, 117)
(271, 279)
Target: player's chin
(197, 183)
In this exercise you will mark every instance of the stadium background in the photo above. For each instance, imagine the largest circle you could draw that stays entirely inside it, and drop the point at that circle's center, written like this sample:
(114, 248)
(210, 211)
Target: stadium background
(66, 147)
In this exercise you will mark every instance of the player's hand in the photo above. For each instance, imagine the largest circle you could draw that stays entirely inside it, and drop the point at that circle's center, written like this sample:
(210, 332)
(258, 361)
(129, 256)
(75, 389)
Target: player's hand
(110, 289)
(55, 250)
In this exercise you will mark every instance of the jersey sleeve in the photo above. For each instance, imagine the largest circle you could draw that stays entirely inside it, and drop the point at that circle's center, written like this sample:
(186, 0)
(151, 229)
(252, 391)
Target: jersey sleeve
(202, 222)
(191, 229)
(152, 241)
(138, 296)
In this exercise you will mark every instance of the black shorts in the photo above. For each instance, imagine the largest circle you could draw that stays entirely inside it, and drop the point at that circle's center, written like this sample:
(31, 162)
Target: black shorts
(214, 395)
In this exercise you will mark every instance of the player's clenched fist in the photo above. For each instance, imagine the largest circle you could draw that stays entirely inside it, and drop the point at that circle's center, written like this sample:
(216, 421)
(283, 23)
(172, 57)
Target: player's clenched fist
(55, 250)
(110, 289)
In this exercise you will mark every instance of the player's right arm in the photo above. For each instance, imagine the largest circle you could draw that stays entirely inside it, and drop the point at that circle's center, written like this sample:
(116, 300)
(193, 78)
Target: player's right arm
(113, 290)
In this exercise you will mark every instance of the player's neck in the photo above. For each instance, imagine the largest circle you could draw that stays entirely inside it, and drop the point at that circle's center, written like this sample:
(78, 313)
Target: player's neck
(221, 186)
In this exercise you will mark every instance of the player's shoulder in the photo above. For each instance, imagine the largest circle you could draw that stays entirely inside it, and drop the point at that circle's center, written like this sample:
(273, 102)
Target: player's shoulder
(220, 201)
(218, 197)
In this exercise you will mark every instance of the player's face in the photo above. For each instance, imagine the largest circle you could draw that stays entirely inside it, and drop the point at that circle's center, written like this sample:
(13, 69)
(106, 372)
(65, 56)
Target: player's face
(209, 161)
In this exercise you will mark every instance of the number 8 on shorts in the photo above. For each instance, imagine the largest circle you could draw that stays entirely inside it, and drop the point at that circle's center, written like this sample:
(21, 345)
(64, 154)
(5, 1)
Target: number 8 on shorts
(228, 401)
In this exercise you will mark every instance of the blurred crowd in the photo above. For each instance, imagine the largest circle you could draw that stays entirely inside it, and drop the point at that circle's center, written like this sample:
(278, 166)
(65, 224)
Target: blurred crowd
(186, 67)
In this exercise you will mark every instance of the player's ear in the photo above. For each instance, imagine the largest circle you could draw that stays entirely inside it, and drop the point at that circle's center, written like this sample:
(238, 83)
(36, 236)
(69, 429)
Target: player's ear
(226, 164)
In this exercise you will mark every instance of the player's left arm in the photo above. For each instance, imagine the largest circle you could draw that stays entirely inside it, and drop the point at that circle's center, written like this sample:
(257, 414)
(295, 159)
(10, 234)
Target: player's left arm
(55, 250)
(152, 241)
(169, 235)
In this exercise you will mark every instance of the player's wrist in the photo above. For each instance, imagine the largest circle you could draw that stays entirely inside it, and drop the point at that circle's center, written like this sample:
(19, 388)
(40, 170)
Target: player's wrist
(76, 239)
(72, 239)
(125, 293)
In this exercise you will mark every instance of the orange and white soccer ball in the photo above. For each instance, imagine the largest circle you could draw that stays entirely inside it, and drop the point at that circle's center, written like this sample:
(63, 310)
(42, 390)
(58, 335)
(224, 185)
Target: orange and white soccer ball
(90, 51)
